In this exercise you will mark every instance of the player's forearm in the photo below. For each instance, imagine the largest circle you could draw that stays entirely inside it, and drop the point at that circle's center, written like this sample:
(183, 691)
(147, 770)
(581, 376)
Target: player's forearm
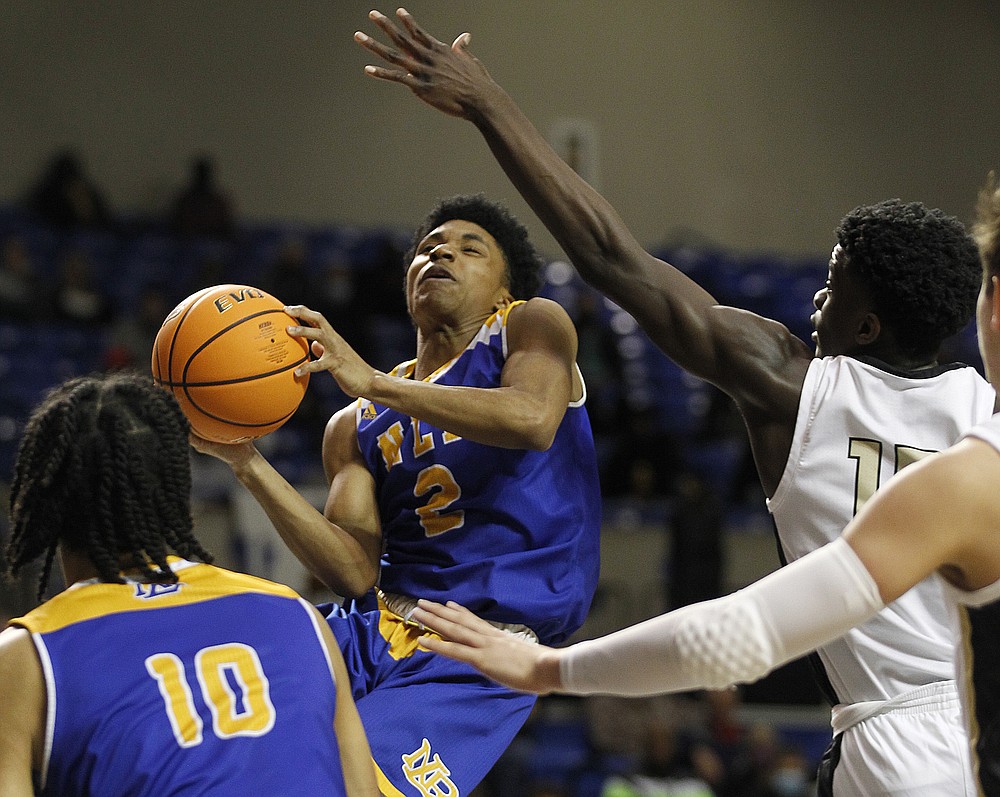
(586, 226)
(671, 307)
(735, 639)
(502, 417)
(332, 554)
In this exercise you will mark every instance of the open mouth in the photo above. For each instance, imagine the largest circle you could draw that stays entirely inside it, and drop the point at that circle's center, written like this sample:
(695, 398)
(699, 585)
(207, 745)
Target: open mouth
(435, 272)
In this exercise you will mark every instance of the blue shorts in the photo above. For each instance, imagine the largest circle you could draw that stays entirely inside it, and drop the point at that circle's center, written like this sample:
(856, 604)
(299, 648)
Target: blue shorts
(436, 727)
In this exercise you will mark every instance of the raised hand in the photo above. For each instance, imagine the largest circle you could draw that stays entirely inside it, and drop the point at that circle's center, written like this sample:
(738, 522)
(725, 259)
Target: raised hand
(447, 78)
(503, 657)
(332, 352)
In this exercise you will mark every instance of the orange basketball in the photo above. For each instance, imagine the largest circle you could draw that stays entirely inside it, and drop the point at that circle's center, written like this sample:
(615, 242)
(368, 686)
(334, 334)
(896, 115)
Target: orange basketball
(225, 354)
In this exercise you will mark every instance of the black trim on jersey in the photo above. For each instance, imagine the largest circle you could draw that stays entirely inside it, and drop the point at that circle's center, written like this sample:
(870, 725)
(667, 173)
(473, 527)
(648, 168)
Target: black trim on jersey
(921, 373)
(827, 766)
(982, 666)
(812, 659)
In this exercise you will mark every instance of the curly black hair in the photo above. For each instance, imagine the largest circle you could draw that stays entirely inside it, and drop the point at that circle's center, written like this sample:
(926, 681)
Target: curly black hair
(523, 262)
(104, 469)
(921, 266)
(986, 230)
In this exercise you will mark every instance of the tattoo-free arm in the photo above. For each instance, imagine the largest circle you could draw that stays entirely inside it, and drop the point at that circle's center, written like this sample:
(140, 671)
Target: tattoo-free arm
(523, 412)
(755, 360)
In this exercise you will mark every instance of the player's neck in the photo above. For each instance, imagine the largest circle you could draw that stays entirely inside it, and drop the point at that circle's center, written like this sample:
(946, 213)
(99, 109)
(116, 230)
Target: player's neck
(75, 566)
(440, 345)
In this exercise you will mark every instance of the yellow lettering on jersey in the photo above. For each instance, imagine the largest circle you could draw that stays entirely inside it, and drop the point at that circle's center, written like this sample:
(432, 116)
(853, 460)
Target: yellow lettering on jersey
(389, 443)
(440, 482)
(451, 438)
(428, 774)
(421, 443)
(245, 711)
(168, 672)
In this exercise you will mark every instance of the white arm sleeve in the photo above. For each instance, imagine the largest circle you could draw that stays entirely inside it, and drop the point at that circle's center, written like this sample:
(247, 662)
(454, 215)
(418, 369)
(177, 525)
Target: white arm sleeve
(736, 639)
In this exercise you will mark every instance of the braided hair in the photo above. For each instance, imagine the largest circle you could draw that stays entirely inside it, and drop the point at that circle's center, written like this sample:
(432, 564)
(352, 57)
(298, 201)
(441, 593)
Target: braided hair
(523, 262)
(103, 469)
(922, 268)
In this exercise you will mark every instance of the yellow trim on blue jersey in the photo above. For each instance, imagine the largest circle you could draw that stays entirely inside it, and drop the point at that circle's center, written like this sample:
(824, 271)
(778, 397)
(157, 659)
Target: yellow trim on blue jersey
(365, 409)
(502, 314)
(402, 635)
(95, 599)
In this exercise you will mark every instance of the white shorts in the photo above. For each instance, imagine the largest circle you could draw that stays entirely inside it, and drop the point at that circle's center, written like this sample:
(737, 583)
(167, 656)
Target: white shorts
(914, 746)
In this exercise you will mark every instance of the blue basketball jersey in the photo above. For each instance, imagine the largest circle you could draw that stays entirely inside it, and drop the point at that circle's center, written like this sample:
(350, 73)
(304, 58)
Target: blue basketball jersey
(511, 534)
(218, 685)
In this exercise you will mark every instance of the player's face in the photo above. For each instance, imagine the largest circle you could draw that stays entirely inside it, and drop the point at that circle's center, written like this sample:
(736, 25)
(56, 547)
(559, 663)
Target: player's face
(841, 306)
(458, 266)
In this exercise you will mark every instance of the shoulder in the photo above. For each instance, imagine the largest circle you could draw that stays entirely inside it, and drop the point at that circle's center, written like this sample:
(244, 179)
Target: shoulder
(15, 642)
(340, 439)
(539, 317)
(22, 690)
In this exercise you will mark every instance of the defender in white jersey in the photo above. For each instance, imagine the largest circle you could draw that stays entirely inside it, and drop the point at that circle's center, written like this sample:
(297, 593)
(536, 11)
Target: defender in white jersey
(935, 524)
(902, 277)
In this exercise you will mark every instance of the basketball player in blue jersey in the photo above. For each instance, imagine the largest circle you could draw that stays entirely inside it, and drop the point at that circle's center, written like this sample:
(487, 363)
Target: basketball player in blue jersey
(826, 426)
(152, 674)
(938, 519)
(469, 474)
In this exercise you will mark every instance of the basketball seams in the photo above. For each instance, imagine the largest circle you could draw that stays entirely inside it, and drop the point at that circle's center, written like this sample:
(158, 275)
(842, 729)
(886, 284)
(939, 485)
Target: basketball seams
(216, 336)
(221, 408)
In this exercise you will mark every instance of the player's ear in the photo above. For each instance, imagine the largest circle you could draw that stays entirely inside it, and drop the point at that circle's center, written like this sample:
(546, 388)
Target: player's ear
(869, 329)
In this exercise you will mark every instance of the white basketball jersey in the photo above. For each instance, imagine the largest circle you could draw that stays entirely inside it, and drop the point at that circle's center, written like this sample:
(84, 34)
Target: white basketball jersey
(977, 615)
(857, 426)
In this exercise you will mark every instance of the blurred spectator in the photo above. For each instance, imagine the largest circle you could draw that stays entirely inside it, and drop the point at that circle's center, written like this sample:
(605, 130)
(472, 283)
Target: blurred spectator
(694, 563)
(336, 298)
(673, 766)
(550, 788)
(600, 364)
(202, 208)
(723, 422)
(66, 198)
(642, 464)
(288, 278)
(21, 297)
(389, 332)
(77, 296)
(790, 774)
(133, 333)
(769, 768)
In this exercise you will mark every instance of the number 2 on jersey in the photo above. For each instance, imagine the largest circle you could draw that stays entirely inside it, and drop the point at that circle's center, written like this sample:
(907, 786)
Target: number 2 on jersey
(433, 518)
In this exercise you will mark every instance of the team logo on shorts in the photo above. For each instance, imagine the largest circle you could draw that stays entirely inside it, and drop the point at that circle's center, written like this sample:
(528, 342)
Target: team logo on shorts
(428, 774)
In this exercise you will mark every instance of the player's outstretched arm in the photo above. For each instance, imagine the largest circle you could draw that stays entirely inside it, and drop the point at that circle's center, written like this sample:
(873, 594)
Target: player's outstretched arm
(710, 645)
(727, 347)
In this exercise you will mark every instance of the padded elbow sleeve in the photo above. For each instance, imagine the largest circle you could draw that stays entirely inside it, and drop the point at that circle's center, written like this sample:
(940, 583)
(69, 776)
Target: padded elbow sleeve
(735, 639)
